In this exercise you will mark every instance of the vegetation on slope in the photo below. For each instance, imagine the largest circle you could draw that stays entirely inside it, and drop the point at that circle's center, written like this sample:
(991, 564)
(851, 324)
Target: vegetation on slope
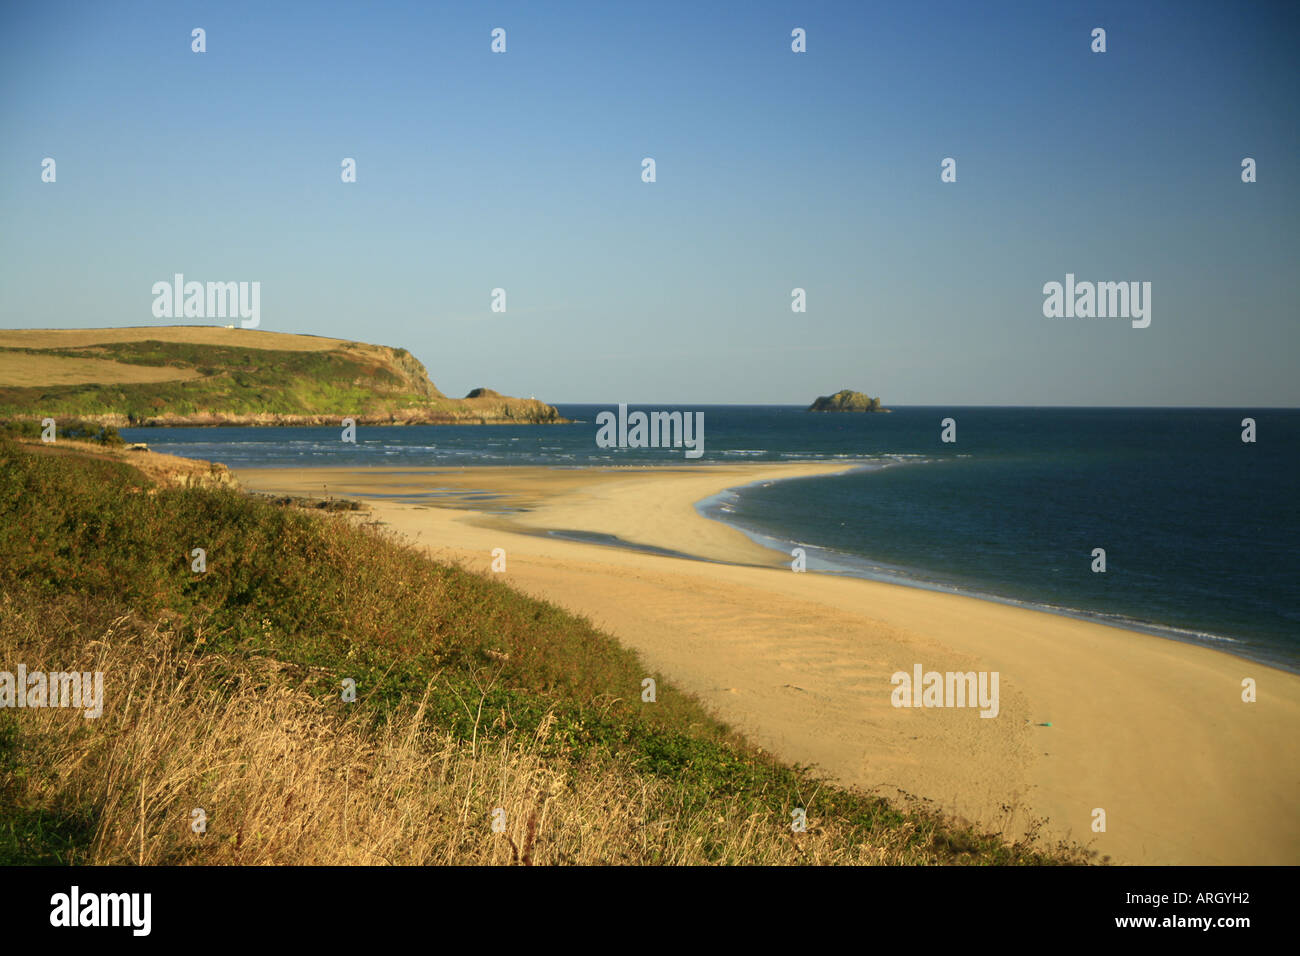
(211, 383)
(223, 693)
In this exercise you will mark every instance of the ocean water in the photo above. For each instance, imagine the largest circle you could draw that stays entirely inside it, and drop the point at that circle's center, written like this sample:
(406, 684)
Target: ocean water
(1201, 530)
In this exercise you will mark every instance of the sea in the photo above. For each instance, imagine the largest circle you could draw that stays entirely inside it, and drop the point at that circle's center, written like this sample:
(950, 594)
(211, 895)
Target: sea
(1200, 529)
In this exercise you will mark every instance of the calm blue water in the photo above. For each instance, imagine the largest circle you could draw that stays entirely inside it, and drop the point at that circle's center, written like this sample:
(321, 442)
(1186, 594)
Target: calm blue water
(1201, 530)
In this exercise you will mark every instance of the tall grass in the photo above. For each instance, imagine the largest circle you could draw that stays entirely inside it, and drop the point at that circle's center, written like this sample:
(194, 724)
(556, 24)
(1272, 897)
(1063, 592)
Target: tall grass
(223, 694)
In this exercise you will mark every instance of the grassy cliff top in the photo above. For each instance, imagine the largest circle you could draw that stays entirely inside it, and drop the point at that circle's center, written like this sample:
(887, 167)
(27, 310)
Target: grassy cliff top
(207, 375)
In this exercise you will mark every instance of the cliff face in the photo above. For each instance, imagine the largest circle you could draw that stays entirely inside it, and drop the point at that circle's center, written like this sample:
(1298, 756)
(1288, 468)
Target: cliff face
(415, 372)
(846, 400)
(197, 375)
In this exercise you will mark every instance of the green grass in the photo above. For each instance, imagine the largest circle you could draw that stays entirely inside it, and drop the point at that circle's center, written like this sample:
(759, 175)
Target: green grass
(86, 542)
(75, 429)
(237, 381)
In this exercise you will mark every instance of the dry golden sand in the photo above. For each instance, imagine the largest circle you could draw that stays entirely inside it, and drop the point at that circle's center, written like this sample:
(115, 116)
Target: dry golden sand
(1152, 731)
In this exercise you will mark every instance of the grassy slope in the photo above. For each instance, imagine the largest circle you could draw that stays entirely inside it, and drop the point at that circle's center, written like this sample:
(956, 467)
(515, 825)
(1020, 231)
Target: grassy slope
(223, 693)
(234, 381)
(194, 334)
(237, 382)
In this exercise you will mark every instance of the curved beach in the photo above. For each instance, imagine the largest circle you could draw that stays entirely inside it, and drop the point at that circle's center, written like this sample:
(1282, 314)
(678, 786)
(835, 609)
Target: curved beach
(1151, 731)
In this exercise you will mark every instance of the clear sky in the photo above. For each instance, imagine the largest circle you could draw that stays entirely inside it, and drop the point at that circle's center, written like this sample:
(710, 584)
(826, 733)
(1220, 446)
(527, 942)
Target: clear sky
(775, 170)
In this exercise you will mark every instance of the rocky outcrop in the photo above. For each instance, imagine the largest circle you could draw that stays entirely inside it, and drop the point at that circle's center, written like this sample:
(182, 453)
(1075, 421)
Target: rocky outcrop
(846, 400)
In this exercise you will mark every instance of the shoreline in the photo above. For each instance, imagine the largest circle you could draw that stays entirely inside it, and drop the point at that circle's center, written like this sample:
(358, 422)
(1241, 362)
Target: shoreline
(774, 546)
(899, 578)
(777, 556)
(1092, 715)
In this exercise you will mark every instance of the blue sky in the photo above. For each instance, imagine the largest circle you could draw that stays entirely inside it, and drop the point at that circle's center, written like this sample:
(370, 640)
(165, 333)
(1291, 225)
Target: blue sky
(775, 170)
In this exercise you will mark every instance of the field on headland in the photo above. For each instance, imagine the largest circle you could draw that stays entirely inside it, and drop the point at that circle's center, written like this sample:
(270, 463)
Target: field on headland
(474, 703)
(183, 334)
(27, 370)
(206, 375)
(26, 360)
(1152, 732)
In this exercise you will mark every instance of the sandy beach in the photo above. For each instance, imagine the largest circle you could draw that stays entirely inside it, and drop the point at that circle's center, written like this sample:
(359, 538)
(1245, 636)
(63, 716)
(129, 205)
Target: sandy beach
(1153, 732)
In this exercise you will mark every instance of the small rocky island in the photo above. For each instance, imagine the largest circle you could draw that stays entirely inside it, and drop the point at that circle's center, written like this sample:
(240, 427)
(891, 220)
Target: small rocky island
(846, 400)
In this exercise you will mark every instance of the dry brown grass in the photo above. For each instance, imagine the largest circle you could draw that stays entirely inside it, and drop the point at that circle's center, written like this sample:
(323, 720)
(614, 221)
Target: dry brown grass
(223, 694)
(191, 334)
(23, 369)
(285, 778)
